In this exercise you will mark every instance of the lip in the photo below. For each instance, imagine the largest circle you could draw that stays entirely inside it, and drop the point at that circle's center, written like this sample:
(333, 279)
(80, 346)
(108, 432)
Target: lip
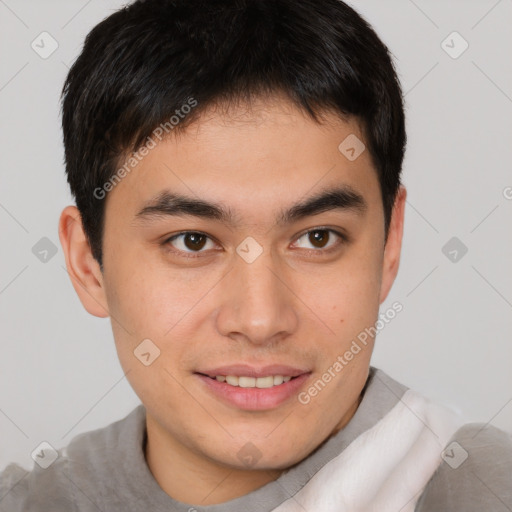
(254, 399)
(252, 371)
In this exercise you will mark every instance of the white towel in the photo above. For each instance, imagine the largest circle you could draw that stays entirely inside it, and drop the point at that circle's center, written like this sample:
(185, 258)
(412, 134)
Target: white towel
(386, 468)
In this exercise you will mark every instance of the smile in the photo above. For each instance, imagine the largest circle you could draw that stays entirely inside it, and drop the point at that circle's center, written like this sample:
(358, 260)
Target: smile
(253, 382)
(266, 389)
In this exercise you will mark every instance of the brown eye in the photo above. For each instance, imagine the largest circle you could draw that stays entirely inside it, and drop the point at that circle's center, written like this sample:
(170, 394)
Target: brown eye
(194, 241)
(319, 238)
(189, 242)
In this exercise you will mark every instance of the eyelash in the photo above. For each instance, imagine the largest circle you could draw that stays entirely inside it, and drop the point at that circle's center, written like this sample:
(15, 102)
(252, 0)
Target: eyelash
(343, 239)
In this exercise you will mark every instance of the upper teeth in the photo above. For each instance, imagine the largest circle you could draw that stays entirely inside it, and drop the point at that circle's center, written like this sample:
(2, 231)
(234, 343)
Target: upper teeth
(253, 382)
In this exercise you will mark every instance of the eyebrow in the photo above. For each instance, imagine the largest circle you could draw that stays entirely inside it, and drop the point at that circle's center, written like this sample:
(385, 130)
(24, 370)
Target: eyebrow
(166, 203)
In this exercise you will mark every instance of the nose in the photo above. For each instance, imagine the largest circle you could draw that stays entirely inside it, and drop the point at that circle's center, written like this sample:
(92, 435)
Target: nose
(258, 302)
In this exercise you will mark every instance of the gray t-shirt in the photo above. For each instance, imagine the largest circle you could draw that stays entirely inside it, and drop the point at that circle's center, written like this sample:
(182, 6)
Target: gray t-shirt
(105, 469)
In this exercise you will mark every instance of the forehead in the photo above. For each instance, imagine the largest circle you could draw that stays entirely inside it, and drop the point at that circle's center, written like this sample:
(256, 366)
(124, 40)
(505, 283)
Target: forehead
(256, 158)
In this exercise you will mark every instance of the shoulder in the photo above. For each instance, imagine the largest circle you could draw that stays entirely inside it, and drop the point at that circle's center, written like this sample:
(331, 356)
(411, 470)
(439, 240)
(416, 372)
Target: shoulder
(21, 489)
(75, 474)
(475, 473)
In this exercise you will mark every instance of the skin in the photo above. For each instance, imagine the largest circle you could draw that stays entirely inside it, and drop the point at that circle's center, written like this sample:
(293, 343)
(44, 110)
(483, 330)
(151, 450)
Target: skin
(289, 306)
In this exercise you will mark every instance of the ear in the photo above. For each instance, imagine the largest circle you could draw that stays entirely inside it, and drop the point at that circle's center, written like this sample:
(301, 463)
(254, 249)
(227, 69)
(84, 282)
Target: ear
(393, 246)
(83, 269)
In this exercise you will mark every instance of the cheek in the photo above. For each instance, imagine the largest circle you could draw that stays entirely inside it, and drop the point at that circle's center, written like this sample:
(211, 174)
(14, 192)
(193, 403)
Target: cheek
(148, 326)
(150, 300)
(162, 306)
(347, 294)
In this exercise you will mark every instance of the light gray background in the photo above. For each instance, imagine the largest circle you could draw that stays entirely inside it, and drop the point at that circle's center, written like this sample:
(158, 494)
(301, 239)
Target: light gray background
(59, 373)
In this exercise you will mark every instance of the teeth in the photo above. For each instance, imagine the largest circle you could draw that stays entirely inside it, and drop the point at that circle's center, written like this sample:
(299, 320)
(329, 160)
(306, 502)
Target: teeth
(246, 382)
(230, 379)
(253, 382)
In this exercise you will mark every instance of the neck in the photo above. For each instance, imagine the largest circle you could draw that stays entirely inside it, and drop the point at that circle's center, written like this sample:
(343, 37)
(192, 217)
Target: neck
(190, 478)
(196, 481)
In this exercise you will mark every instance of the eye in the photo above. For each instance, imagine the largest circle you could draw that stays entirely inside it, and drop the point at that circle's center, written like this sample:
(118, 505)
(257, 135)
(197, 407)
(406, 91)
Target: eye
(321, 239)
(189, 242)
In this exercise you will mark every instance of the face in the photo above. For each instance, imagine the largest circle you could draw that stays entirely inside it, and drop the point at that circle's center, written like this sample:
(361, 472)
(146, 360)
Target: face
(264, 286)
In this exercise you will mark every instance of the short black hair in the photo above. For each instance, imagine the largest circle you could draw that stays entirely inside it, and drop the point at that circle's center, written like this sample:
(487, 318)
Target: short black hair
(143, 63)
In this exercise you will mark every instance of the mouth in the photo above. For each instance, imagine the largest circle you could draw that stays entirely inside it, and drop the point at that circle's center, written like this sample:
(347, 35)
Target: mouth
(251, 388)
(244, 381)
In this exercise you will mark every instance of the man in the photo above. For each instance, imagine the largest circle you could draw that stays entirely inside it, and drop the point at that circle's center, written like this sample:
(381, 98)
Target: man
(236, 168)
